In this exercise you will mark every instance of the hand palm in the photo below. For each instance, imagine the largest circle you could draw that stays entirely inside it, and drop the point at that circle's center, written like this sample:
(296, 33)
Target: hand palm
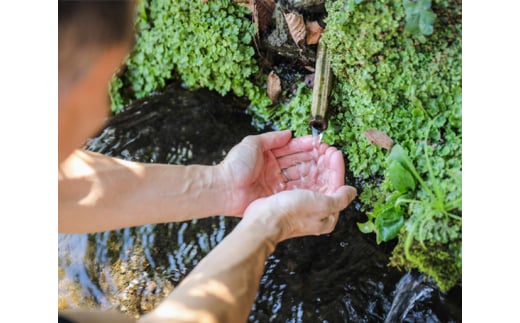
(255, 168)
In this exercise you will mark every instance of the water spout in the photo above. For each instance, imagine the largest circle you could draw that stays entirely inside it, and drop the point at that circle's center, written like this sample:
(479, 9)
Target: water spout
(321, 91)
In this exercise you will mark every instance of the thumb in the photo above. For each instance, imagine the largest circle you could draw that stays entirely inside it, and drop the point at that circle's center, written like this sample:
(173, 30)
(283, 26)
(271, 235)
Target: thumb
(274, 139)
(343, 196)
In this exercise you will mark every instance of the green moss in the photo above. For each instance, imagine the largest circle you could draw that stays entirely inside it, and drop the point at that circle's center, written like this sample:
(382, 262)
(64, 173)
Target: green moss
(428, 259)
(203, 44)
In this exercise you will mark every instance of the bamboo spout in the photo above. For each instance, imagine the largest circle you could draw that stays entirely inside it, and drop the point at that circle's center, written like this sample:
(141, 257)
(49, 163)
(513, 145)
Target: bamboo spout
(321, 91)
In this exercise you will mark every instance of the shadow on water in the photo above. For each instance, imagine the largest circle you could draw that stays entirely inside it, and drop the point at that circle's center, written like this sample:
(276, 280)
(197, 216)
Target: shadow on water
(340, 277)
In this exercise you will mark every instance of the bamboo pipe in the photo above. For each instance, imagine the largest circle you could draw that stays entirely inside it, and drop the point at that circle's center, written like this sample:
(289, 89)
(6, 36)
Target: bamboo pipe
(321, 90)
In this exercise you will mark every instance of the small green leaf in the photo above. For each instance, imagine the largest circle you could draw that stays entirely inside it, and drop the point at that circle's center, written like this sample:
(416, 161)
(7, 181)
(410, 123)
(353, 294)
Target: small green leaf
(366, 227)
(417, 113)
(398, 154)
(392, 198)
(388, 224)
(400, 178)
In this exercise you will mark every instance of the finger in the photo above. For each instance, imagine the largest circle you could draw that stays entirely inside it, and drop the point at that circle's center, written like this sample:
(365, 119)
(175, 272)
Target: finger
(305, 183)
(329, 152)
(300, 170)
(278, 186)
(337, 168)
(294, 159)
(341, 198)
(307, 176)
(300, 185)
(296, 145)
(273, 139)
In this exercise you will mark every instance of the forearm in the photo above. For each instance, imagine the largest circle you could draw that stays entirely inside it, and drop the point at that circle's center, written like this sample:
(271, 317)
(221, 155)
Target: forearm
(223, 286)
(98, 193)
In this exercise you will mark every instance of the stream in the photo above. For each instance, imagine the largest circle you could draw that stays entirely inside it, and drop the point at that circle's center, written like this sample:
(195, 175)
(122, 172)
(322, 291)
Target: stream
(339, 277)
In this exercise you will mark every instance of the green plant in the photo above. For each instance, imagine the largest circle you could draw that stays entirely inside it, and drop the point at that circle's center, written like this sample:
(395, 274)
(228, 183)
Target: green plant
(292, 114)
(410, 87)
(431, 216)
(203, 44)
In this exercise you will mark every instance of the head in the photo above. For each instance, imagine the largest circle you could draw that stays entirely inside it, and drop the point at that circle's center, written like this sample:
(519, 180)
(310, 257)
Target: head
(93, 39)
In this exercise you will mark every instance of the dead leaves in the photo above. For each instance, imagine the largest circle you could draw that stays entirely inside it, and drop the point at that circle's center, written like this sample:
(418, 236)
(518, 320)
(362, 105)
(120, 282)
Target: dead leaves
(379, 138)
(300, 30)
(296, 25)
(262, 11)
(314, 31)
(274, 86)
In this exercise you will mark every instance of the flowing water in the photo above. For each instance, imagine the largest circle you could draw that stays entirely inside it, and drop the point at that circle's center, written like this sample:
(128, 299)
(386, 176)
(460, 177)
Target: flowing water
(340, 277)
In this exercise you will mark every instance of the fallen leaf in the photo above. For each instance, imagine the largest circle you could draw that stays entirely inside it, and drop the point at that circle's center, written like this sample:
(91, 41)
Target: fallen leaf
(265, 9)
(296, 26)
(310, 68)
(244, 3)
(274, 86)
(314, 31)
(262, 11)
(379, 138)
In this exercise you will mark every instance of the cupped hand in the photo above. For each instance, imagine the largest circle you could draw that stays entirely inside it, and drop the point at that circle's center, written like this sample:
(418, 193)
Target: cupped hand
(272, 162)
(297, 213)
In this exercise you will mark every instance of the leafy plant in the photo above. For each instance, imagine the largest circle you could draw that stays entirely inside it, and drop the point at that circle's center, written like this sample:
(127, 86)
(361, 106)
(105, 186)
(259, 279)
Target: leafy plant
(402, 175)
(290, 114)
(410, 87)
(203, 44)
(429, 217)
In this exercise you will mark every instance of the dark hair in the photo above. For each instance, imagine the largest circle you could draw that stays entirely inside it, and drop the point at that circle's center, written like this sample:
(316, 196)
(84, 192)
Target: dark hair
(85, 27)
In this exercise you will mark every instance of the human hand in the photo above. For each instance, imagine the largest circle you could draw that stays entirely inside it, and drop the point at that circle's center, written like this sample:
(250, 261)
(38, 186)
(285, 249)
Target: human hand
(265, 164)
(298, 213)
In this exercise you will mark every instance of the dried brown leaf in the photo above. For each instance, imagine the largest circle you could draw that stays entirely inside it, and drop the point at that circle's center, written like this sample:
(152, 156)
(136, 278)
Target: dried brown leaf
(314, 31)
(265, 10)
(310, 68)
(379, 138)
(262, 11)
(274, 86)
(244, 3)
(296, 26)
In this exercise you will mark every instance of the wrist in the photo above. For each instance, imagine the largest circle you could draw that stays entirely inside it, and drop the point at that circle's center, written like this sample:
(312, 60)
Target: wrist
(265, 221)
(257, 231)
(227, 195)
